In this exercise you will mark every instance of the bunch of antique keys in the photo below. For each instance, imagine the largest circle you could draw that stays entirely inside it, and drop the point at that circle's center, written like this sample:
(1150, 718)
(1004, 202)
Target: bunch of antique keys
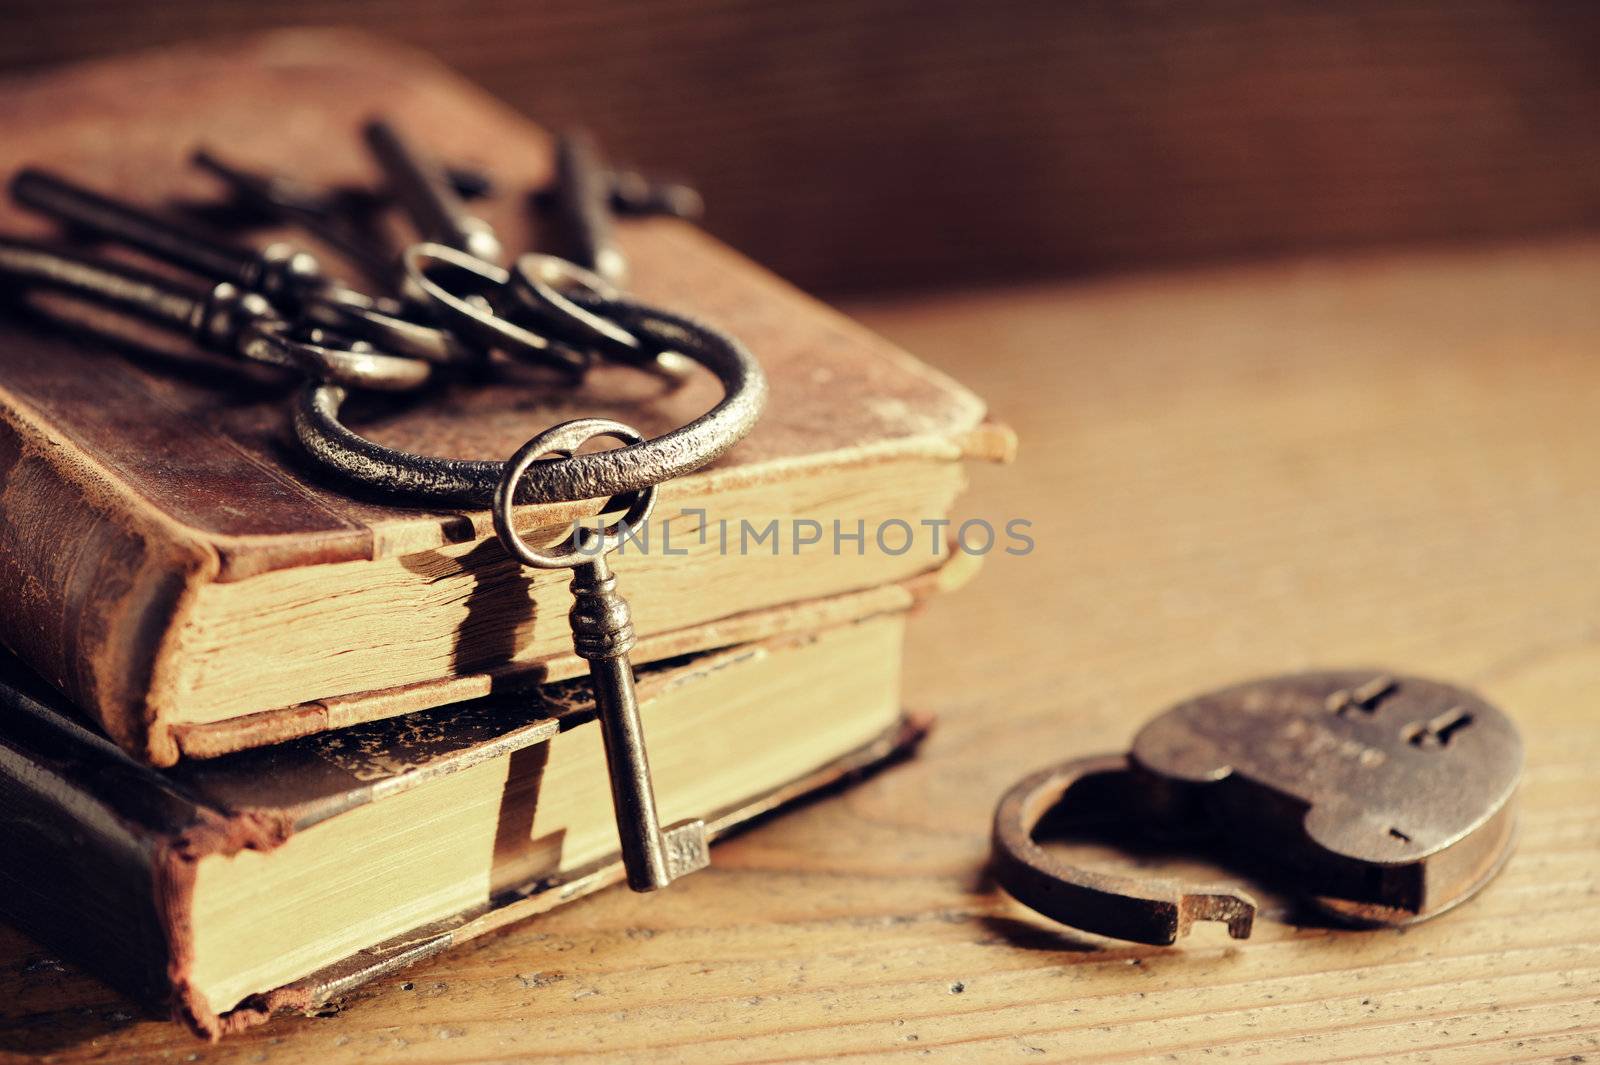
(454, 301)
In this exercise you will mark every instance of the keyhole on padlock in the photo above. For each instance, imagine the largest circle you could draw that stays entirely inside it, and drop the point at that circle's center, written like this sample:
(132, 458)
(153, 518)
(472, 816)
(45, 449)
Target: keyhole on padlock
(1366, 697)
(1437, 730)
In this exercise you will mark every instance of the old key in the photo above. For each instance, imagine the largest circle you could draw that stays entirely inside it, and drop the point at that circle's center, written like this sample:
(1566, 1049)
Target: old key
(220, 318)
(1380, 799)
(292, 280)
(602, 635)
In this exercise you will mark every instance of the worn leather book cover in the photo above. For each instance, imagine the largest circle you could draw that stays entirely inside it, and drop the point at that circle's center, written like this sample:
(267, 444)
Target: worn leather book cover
(144, 484)
(115, 863)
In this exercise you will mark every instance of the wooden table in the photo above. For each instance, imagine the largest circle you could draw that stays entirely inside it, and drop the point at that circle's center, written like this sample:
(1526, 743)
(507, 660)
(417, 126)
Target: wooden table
(1380, 461)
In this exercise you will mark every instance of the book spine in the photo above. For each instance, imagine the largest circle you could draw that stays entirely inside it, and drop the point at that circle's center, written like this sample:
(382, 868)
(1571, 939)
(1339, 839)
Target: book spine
(94, 580)
(101, 854)
(80, 880)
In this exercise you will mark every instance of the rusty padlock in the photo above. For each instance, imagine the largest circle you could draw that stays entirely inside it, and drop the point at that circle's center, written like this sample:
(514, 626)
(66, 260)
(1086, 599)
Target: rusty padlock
(1382, 799)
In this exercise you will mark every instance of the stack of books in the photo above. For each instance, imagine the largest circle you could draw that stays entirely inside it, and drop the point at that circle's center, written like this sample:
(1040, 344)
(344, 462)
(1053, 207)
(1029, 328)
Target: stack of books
(262, 738)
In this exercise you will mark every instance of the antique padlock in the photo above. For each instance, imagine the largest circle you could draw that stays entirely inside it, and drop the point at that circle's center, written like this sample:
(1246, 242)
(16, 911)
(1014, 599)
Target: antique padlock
(1379, 799)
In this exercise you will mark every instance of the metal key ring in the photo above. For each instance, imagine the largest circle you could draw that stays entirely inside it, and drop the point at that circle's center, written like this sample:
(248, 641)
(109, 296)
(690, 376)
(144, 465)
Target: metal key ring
(469, 314)
(273, 341)
(473, 482)
(583, 545)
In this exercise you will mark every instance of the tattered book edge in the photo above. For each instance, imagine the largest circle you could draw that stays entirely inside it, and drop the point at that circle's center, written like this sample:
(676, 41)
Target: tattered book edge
(305, 995)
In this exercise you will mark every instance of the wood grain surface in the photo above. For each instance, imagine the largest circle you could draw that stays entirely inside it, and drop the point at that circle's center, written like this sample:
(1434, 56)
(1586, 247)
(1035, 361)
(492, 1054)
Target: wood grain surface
(1372, 461)
(868, 144)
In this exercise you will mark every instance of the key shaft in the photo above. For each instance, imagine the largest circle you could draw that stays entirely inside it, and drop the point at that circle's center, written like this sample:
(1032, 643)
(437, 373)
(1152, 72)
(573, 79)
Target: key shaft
(602, 634)
(425, 192)
(276, 271)
(582, 201)
(221, 318)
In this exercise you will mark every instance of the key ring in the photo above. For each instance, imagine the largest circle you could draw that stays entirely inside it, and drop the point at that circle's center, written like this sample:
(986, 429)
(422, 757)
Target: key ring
(473, 482)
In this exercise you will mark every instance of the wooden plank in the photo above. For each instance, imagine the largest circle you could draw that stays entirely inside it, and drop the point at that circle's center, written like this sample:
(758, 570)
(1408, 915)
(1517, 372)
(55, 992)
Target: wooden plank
(1385, 460)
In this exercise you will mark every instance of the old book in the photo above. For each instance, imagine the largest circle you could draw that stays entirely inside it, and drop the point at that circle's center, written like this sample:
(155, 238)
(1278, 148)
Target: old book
(179, 570)
(225, 889)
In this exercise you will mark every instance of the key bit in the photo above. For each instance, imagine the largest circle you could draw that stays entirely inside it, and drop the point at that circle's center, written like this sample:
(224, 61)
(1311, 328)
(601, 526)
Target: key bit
(634, 194)
(602, 635)
(1380, 799)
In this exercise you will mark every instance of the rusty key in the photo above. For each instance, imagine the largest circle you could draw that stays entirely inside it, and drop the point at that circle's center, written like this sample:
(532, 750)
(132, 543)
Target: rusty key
(602, 635)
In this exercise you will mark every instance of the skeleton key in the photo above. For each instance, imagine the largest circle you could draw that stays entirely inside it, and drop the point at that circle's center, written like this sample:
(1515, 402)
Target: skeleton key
(221, 319)
(344, 217)
(275, 272)
(286, 277)
(545, 285)
(636, 195)
(455, 270)
(602, 635)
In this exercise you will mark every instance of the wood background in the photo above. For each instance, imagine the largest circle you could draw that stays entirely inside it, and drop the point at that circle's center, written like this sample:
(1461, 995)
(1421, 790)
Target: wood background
(865, 145)
(1372, 460)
